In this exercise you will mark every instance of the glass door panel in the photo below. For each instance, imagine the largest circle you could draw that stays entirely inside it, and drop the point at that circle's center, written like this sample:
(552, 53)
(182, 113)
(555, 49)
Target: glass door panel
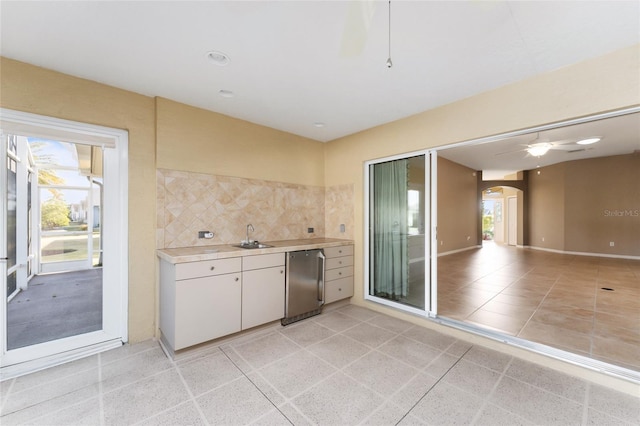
(398, 265)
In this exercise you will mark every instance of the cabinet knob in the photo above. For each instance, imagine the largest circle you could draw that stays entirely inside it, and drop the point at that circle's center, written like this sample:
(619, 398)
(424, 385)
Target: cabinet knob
(213, 267)
(339, 273)
(282, 272)
(339, 289)
(339, 251)
(237, 278)
(340, 262)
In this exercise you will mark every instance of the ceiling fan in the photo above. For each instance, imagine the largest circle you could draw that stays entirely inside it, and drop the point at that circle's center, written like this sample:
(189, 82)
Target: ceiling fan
(541, 145)
(356, 29)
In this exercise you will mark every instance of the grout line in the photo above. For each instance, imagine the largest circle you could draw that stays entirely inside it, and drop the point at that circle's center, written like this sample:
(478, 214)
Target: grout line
(6, 396)
(585, 407)
(191, 395)
(433, 386)
(486, 402)
(100, 392)
(255, 385)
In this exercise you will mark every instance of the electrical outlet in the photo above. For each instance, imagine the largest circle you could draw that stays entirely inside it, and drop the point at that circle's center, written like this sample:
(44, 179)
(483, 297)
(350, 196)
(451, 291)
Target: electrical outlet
(543, 239)
(309, 230)
(205, 234)
(612, 243)
(342, 228)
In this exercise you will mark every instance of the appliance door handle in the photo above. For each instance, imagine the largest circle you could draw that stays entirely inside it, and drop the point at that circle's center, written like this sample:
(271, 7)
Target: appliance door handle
(320, 282)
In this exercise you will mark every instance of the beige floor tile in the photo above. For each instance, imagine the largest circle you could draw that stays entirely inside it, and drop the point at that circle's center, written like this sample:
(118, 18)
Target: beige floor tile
(556, 336)
(616, 348)
(505, 323)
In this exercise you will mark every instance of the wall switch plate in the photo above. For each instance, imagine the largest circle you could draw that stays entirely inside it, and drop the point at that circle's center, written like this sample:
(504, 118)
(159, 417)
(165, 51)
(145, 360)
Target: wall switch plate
(342, 228)
(612, 244)
(310, 230)
(205, 234)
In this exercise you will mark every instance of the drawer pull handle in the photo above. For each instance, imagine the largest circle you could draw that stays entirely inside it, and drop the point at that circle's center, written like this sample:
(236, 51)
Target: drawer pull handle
(213, 267)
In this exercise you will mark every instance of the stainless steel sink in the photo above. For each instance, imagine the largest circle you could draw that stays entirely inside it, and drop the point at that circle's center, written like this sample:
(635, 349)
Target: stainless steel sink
(252, 245)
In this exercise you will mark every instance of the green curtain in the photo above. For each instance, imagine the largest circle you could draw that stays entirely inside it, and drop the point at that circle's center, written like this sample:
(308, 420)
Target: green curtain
(390, 246)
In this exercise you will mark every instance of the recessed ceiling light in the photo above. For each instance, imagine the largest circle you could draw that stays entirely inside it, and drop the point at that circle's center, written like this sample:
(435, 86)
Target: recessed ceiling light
(588, 141)
(318, 124)
(218, 58)
(226, 93)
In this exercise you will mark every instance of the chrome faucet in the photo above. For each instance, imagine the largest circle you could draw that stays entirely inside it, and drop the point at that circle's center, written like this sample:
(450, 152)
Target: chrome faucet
(249, 228)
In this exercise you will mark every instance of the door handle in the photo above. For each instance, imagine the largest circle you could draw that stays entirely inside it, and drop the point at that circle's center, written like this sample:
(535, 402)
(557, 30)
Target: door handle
(320, 283)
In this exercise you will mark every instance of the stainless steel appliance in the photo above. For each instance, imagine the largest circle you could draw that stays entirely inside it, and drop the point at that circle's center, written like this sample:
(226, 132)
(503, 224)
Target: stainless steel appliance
(304, 285)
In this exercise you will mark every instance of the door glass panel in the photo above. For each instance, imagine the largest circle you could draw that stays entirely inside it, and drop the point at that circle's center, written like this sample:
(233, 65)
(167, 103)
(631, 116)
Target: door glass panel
(12, 167)
(64, 219)
(397, 226)
(59, 294)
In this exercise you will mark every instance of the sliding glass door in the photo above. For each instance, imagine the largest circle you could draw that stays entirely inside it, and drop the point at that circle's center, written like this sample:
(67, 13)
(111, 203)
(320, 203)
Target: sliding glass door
(398, 266)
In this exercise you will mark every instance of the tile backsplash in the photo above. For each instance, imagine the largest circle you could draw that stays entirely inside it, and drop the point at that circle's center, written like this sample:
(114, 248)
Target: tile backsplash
(191, 202)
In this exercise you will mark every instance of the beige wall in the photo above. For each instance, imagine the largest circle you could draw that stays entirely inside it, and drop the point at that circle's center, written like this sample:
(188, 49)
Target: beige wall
(196, 140)
(186, 138)
(597, 192)
(36, 90)
(190, 139)
(606, 83)
(458, 210)
(583, 205)
(547, 207)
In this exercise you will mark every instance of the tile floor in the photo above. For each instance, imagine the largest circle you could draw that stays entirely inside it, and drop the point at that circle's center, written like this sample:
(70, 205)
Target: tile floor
(548, 298)
(345, 367)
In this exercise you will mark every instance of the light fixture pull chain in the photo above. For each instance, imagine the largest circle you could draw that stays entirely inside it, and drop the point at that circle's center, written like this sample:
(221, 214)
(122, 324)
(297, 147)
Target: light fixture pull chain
(389, 63)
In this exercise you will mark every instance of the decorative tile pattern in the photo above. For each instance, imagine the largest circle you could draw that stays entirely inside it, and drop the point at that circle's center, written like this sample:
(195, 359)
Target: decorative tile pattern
(339, 211)
(191, 202)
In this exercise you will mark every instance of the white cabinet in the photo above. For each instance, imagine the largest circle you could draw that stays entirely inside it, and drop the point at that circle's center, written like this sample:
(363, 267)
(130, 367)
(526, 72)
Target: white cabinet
(262, 289)
(205, 300)
(200, 301)
(338, 274)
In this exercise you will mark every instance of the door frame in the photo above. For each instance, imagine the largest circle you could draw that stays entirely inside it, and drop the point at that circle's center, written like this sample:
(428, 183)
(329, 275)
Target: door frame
(430, 255)
(115, 278)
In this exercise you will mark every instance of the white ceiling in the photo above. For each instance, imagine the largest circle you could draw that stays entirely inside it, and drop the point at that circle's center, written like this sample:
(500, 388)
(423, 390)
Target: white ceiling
(288, 69)
(499, 158)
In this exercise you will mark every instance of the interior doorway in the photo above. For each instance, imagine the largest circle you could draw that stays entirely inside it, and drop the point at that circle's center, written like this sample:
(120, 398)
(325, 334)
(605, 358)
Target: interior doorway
(63, 280)
(512, 221)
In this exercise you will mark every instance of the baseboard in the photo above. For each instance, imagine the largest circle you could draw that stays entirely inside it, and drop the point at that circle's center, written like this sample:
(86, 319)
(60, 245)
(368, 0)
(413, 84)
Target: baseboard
(446, 253)
(580, 253)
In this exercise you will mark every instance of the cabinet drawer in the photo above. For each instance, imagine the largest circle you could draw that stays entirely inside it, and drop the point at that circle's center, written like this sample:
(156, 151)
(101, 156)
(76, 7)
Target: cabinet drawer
(262, 261)
(334, 274)
(339, 262)
(338, 289)
(207, 268)
(338, 251)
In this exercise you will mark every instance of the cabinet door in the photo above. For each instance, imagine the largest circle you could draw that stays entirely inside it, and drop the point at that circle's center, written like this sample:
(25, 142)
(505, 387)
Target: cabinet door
(338, 289)
(262, 296)
(207, 308)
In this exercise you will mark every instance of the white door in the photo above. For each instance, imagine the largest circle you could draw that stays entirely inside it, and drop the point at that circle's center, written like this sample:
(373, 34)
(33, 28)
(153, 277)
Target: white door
(21, 216)
(512, 221)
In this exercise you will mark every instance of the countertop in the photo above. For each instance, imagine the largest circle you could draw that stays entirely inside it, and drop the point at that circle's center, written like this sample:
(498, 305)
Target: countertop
(198, 253)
